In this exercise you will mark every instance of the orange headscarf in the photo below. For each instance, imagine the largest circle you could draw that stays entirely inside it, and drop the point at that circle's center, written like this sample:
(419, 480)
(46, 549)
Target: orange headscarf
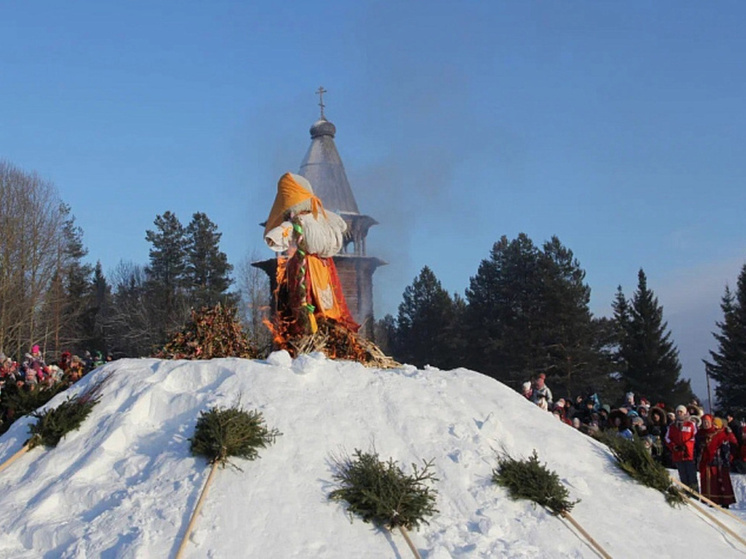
(290, 193)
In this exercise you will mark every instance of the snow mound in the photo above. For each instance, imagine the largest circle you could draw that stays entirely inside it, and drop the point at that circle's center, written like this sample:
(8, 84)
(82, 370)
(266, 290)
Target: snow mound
(124, 485)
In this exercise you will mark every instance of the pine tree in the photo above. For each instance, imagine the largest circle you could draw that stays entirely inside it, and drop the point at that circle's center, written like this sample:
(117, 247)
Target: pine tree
(65, 303)
(573, 358)
(424, 332)
(728, 363)
(527, 312)
(77, 280)
(504, 311)
(207, 269)
(647, 356)
(98, 314)
(166, 274)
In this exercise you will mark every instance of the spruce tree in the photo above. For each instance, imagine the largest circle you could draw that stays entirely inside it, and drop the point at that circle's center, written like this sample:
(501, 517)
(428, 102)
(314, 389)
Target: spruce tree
(648, 359)
(98, 315)
(166, 274)
(527, 313)
(64, 306)
(728, 362)
(575, 361)
(207, 268)
(424, 333)
(504, 314)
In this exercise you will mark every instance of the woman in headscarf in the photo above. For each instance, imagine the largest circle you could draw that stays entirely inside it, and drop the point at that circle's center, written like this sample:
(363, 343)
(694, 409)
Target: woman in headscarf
(713, 451)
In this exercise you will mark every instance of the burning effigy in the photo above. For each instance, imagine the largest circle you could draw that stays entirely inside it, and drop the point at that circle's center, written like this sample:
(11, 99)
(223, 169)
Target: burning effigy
(311, 313)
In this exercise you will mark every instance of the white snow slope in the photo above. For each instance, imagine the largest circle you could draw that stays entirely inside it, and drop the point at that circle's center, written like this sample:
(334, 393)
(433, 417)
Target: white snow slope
(124, 485)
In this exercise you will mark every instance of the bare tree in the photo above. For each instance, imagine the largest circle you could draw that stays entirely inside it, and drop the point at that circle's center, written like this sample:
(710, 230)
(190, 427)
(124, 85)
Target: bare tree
(29, 237)
(134, 329)
(253, 285)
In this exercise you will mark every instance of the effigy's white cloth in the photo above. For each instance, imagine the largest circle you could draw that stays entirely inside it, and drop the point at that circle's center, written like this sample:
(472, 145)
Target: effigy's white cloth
(324, 235)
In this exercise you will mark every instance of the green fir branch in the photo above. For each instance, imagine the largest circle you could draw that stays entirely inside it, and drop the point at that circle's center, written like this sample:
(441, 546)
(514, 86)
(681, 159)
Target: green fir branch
(633, 458)
(380, 493)
(528, 479)
(233, 431)
(53, 424)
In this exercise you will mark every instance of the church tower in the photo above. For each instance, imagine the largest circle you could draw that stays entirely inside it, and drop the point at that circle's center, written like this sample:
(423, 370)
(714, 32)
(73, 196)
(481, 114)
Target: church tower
(323, 168)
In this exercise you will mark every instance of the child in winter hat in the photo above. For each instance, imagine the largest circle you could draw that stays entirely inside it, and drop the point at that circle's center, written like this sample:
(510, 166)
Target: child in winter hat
(31, 376)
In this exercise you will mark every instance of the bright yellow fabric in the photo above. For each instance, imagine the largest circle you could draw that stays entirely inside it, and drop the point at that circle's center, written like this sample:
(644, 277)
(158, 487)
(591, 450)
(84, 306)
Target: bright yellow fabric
(290, 193)
(322, 289)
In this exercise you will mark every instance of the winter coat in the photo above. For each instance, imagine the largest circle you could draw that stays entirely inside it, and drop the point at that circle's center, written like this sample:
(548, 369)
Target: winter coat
(713, 447)
(543, 391)
(680, 439)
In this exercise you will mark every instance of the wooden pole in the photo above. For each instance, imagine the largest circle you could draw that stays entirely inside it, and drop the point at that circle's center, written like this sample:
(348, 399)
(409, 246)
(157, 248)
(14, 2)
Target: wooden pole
(197, 509)
(706, 500)
(585, 534)
(409, 542)
(24, 449)
(716, 521)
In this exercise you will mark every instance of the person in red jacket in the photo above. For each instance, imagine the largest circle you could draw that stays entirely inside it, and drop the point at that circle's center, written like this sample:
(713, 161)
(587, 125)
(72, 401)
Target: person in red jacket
(714, 441)
(680, 439)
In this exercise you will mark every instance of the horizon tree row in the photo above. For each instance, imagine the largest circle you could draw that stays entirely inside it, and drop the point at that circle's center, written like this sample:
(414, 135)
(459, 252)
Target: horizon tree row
(49, 295)
(526, 312)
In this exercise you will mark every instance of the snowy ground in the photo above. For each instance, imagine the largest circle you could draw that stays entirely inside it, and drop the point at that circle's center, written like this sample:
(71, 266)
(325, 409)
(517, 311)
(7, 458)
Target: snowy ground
(125, 483)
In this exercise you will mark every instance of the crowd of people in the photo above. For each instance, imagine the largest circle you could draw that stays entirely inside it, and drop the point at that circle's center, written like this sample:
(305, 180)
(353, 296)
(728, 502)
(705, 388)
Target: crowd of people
(704, 449)
(33, 374)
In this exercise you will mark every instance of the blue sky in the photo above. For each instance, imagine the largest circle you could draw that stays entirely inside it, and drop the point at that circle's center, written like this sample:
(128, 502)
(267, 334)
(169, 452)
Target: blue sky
(617, 126)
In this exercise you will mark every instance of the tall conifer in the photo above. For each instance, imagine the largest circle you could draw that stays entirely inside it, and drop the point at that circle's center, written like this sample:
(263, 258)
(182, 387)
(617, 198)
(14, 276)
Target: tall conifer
(166, 274)
(648, 359)
(527, 313)
(728, 362)
(425, 332)
(207, 268)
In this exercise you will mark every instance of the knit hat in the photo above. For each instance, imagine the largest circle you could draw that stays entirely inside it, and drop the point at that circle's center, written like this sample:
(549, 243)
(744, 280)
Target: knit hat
(718, 422)
(35, 349)
(526, 386)
(681, 407)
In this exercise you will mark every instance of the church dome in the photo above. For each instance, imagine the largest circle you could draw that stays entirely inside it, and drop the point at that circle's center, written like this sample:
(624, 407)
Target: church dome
(323, 127)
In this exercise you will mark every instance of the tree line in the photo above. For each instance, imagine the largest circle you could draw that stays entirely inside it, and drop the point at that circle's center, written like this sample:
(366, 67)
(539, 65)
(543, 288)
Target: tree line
(50, 296)
(525, 311)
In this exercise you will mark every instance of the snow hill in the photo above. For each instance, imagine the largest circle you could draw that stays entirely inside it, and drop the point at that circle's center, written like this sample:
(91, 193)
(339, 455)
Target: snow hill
(124, 485)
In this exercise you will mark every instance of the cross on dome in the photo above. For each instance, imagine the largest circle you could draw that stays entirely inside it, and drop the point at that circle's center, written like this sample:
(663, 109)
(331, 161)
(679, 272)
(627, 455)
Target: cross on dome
(321, 92)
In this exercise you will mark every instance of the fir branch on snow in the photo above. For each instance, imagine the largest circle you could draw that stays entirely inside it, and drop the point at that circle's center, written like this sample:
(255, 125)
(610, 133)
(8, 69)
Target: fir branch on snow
(233, 431)
(221, 433)
(54, 424)
(16, 402)
(636, 460)
(381, 493)
(528, 479)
